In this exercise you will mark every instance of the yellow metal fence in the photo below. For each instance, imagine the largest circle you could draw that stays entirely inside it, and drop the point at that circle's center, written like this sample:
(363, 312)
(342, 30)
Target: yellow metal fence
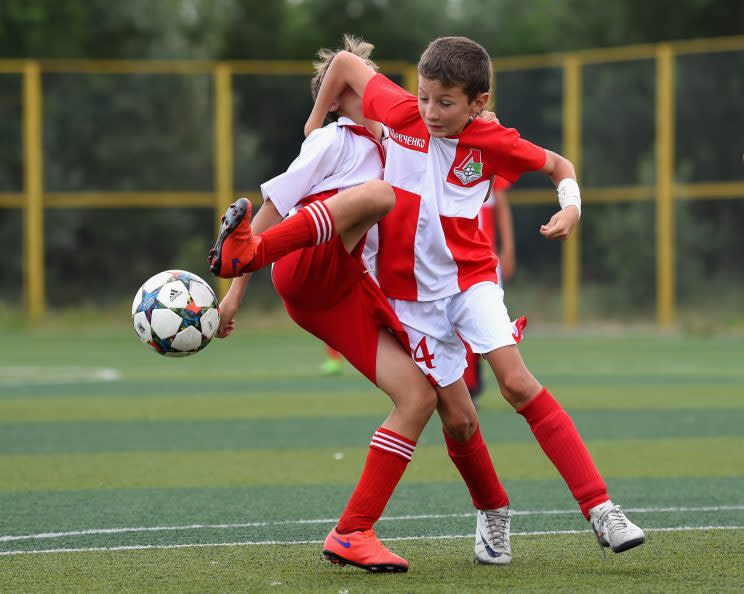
(33, 198)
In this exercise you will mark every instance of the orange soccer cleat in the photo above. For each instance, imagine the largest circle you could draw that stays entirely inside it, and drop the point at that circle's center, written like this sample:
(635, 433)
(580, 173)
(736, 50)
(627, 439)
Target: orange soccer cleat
(362, 549)
(235, 244)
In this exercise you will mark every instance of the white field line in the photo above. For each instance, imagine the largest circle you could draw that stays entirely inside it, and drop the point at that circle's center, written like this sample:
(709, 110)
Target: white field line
(304, 542)
(545, 512)
(14, 377)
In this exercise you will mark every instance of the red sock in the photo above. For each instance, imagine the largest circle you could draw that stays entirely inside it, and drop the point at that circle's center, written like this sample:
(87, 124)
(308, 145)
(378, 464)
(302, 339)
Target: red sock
(311, 225)
(389, 454)
(561, 442)
(474, 463)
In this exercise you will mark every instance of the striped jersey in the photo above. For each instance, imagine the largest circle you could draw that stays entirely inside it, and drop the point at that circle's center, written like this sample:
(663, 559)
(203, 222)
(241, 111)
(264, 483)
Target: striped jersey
(430, 244)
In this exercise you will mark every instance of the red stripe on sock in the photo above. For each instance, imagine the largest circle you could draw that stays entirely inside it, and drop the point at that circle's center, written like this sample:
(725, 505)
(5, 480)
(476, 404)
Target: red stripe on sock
(561, 442)
(473, 461)
(381, 474)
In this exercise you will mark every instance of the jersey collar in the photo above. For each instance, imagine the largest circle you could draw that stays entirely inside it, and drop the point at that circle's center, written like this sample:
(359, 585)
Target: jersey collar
(344, 121)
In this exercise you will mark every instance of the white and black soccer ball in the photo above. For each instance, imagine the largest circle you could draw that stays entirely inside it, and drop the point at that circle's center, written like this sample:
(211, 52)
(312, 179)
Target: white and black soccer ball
(175, 313)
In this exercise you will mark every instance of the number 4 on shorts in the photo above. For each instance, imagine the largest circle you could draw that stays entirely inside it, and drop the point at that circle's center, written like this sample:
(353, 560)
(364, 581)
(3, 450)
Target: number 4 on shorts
(421, 354)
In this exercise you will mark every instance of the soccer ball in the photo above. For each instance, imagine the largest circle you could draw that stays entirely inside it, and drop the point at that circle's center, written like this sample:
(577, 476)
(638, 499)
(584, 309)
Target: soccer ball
(175, 313)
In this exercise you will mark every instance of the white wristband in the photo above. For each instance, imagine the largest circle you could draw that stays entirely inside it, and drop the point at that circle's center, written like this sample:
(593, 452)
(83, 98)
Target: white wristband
(569, 194)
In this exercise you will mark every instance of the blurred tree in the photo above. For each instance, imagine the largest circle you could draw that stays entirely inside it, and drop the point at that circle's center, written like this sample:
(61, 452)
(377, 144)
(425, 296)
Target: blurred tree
(147, 132)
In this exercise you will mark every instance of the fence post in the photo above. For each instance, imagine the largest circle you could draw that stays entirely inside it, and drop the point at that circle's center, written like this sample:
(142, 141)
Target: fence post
(223, 147)
(571, 256)
(33, 184)
(665, 257)
(410, 79)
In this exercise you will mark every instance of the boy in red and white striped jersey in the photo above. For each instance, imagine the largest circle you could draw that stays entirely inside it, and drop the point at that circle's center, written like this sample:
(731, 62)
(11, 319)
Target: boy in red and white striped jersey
(439, 271)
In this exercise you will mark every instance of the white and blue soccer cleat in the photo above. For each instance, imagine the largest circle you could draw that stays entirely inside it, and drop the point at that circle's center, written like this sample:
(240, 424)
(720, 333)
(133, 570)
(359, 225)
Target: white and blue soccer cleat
(492, 543)
(613, 529)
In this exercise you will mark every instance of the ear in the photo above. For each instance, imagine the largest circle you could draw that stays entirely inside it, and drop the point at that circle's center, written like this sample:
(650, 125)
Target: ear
(479, 103)
(334, 107)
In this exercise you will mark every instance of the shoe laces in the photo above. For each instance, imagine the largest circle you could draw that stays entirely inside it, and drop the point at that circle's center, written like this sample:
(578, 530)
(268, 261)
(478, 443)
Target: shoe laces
(497, 525)
(611, 519)
(614, 519)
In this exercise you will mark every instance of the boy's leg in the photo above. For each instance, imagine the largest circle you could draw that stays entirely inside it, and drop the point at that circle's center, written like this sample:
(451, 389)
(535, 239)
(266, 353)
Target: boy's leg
(349, 214)
(551, 425)
(394, 442)
(483, 321)
(469, 453)
(353, 540)
(365, 341)
(561, 442)
(440, 355)
(466, 447)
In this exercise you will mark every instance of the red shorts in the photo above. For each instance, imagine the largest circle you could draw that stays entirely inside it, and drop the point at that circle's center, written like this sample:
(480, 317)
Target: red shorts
(327, 291)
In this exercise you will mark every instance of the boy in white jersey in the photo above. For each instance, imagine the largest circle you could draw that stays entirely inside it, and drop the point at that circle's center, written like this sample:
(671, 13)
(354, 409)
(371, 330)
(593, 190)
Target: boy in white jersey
(322, 278)
(439, 272)
(326, 287)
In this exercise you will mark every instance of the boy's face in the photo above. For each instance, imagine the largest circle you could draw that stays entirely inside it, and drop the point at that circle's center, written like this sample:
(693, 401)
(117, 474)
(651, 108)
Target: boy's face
(446, 110)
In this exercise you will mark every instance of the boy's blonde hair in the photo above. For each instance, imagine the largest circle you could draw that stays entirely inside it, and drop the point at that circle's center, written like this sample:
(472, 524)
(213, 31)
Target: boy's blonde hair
(352, 44)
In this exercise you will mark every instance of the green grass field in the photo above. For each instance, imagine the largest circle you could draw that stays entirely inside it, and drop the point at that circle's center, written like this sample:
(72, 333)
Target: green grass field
(122, 470)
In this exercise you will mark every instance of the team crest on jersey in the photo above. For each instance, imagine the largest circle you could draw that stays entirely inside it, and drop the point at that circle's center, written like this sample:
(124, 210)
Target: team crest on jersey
(470, 168)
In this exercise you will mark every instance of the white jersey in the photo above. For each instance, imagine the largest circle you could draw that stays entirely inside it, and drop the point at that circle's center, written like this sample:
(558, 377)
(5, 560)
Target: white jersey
(334, 158)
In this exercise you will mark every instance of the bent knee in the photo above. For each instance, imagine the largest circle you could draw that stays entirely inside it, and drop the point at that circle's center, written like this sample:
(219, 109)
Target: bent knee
(379, 196)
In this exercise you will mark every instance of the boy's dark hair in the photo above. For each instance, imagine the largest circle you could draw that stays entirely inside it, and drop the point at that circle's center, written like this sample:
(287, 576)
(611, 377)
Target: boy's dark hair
(457, 61)
(352, 44)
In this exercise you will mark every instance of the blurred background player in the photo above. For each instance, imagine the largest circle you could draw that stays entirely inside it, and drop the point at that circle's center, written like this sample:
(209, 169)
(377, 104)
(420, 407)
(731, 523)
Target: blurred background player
(333, 364)
(495, 220)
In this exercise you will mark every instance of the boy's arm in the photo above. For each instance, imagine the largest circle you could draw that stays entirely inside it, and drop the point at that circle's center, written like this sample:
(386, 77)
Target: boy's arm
(505, 226)
(562, 172)
(346, 69)
(266, 217)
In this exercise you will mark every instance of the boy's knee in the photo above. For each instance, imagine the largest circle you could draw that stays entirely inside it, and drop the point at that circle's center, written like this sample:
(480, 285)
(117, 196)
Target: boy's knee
(462, 428)
(517, 387)
(381, 196)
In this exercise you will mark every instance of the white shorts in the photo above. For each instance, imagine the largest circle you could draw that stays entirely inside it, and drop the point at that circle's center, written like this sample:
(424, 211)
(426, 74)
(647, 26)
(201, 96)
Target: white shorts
(478, 315)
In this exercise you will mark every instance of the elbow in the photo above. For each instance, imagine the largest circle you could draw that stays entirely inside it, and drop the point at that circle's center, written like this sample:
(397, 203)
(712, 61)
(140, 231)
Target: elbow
(564, 168)
(557, 166)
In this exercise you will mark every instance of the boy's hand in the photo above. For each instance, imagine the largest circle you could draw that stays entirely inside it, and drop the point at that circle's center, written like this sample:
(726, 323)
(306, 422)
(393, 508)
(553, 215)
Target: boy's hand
(228, 309)
(561, 223)
(488, 116)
